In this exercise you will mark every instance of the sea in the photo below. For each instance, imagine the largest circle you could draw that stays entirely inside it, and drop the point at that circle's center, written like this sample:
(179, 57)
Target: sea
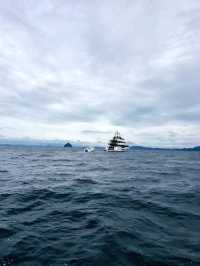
(63, 207)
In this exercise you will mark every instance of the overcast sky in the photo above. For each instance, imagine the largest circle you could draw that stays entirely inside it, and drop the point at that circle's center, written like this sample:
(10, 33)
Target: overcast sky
(83, 69)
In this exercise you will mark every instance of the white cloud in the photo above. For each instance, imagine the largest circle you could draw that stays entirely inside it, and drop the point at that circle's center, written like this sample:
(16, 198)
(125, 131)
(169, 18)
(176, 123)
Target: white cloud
(69, 68)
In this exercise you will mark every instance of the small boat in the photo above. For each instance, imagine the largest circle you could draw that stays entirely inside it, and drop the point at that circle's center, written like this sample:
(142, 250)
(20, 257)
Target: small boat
(89, 149)
(117, 144)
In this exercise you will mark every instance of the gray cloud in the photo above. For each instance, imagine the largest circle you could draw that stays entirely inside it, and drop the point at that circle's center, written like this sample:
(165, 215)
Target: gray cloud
(84, 68)
(96, 132)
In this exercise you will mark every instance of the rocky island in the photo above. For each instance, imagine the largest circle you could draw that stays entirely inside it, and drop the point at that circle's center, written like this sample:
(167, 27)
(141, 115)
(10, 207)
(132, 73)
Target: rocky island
(68, 145)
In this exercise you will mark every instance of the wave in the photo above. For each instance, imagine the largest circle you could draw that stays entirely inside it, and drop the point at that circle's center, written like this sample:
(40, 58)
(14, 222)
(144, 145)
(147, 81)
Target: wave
(3, 171)
(5, 232)
(109, 209)
(85, 180)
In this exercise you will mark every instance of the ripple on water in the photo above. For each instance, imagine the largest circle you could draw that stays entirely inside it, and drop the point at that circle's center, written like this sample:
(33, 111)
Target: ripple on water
(3, 171)
(84, 181)
(65, 208)
(5, 232)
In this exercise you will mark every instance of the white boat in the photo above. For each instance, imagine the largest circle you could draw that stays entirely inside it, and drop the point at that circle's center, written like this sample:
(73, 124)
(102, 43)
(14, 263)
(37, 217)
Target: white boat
(117, 144)
(89, 149)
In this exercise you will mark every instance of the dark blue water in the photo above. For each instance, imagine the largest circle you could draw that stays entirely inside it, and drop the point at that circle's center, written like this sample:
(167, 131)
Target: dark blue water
(67, 207)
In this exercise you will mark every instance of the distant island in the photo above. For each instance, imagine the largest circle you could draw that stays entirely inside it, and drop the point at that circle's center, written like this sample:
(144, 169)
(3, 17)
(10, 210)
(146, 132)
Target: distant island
(68, 145)
(81, 144)
(197, 148)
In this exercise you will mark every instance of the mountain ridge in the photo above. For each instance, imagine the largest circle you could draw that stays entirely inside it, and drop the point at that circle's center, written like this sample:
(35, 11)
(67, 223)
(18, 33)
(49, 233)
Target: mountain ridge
(81, 144)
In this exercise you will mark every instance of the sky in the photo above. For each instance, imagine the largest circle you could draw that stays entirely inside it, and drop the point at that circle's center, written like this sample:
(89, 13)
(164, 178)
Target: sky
(80, 70)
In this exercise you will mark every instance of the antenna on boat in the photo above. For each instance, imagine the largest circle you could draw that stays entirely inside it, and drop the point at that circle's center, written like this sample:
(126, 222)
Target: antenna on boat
(117, 134)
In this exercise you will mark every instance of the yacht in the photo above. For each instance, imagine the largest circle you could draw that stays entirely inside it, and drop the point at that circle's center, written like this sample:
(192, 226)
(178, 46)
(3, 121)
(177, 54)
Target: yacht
(117, 144)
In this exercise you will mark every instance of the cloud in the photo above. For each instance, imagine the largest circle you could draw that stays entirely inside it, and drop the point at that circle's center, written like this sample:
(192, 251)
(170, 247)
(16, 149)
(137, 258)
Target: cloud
(82, 69)
(96, 132)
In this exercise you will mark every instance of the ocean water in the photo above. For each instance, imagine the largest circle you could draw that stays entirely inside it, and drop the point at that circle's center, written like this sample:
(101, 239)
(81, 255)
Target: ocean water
(66, 207)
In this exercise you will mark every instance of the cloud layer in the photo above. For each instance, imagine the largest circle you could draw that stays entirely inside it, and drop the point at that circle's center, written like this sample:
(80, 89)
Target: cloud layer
(82, 69)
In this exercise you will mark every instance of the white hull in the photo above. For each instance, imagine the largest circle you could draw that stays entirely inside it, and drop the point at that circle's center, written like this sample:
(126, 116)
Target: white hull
(116, 149)
(88, 149)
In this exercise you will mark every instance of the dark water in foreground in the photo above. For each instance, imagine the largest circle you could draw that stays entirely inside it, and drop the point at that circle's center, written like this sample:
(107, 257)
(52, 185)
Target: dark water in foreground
(62, 207)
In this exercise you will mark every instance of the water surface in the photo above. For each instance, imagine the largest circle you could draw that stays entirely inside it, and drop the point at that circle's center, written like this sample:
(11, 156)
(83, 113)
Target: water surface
(66, 207)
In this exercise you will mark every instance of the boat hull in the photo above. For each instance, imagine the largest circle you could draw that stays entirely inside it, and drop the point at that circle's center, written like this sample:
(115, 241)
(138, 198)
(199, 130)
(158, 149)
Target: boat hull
(88, 149)
(116, 149)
